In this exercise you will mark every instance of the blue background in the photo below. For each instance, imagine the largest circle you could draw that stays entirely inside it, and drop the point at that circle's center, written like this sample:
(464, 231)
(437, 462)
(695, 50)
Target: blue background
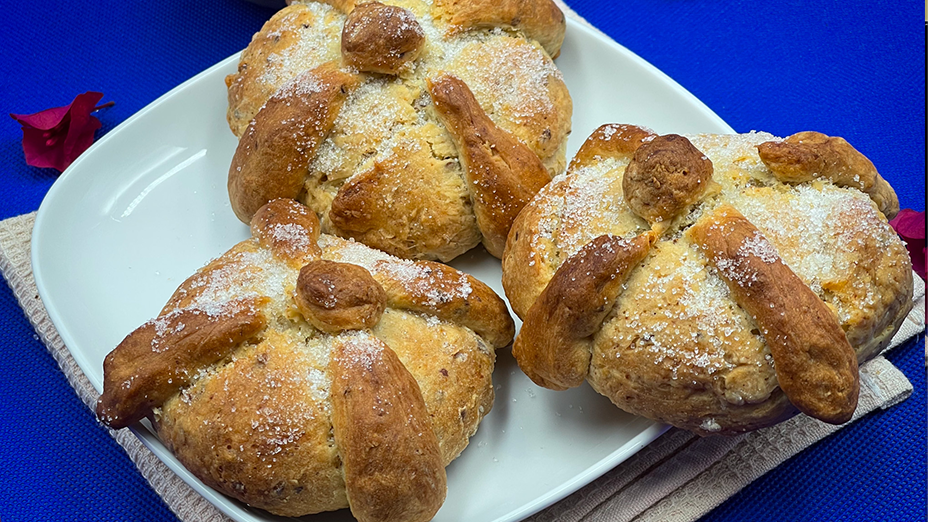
(852, 69)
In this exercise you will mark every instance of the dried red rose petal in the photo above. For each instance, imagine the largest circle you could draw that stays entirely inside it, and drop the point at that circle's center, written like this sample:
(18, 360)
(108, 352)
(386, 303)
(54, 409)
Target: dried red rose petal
(910, 225)
(56, 137)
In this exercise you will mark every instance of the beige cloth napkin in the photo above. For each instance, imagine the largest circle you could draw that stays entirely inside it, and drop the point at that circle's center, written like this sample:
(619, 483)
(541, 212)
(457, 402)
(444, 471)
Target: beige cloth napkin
(678, 477)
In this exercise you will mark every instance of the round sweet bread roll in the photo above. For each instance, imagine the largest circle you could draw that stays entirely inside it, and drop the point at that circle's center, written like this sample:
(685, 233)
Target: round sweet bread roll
(718, 283)
(302, 373)
(420, 128)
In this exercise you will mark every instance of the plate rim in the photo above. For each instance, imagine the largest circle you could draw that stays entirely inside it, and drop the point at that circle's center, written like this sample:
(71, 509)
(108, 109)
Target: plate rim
(574, 25)
(234, 508)
(60, 185)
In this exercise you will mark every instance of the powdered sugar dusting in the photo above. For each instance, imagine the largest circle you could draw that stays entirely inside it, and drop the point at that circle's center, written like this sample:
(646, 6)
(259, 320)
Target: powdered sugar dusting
(249, 274)
(315, 44)
(676, 314)
(274, 395)
(758, 246)
(734, 156)
(370, 120)
(350, 251)
(508, 76)
(585, 203)
(420, 280)
(740, 268)
(584, 200)
(359, 348)
(417, 278)
(802, 224)
(819, 230)
(594, 205)
(702, 298)
(239, 276)
(303, 85)
(291, 233)
(319, 384)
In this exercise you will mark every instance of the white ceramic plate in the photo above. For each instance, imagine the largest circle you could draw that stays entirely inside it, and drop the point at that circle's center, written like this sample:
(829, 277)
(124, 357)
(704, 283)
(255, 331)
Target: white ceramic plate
(146, 206)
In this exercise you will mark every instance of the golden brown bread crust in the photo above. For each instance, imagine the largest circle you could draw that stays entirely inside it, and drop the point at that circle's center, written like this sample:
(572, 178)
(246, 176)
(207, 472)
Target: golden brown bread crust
(291, 232)
(808, 155)
(553, 346)
(158, 359)
(540, 20)
(339, 296)
(678, 351)
(529, 247)
(392, 463)
(665, 175)
(345, 6)
(192, 290)
(280, 47)
(388, 171)
(381, 38)
(455, 382)
(502, 173)
(816, 366)
(271, 159)
(480, 309)
(677, 347)
(520, 93)
(611, 141)
(246, 400)
(258, 428)
(378, 208)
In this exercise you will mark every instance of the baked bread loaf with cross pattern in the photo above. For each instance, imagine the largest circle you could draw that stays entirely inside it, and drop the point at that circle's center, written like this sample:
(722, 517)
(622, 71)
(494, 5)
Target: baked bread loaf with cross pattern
(418, 127)
(302, 373)
(718, 283)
